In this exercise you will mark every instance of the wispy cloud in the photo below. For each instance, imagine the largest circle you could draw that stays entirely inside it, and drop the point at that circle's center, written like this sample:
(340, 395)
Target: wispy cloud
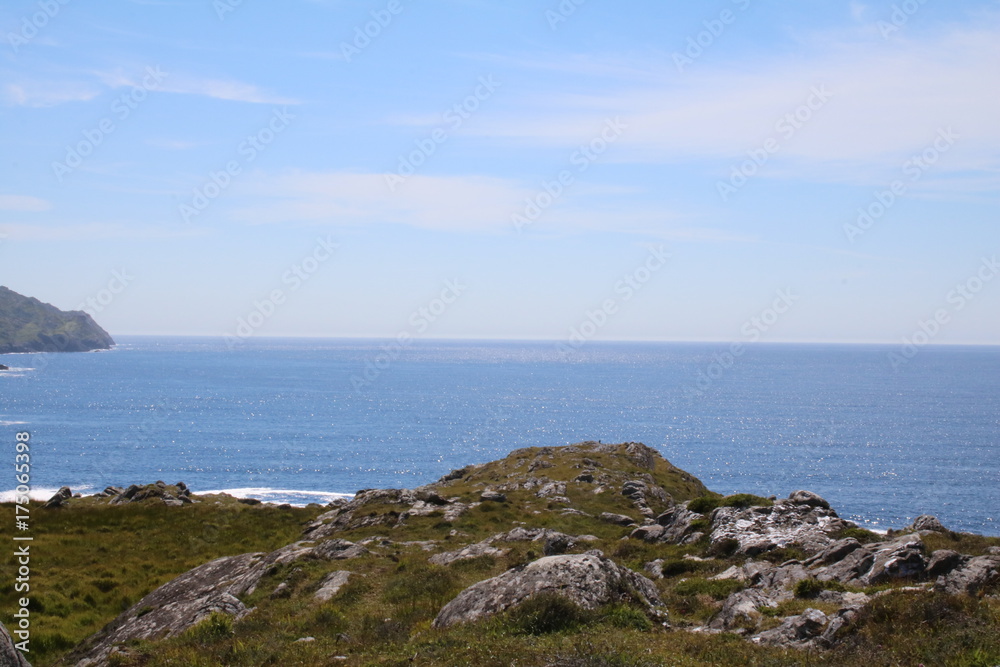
(23, 203)
(48, 94)
(223, 89)
(889, 98)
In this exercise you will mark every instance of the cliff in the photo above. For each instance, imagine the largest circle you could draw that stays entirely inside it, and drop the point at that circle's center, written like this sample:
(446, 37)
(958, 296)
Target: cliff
(28, 325)
(589, 554)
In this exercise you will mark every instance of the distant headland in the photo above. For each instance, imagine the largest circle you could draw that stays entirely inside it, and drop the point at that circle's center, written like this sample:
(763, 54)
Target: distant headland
(28, 325)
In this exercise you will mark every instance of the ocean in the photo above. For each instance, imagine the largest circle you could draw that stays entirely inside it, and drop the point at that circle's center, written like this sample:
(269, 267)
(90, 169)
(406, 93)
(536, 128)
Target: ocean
(308, 420)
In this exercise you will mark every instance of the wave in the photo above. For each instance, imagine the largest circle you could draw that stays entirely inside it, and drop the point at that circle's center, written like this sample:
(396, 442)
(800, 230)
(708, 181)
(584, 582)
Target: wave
(294, 497)
(7, 423)
(45, 492)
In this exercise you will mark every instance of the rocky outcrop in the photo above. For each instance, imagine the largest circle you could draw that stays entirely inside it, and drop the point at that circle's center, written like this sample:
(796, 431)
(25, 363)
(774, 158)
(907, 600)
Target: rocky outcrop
(553, 542)
(617, 519)
(59, 499)
(9, 655)
(28, 325)
(804, 521)
(214, 587)
(874, 564)
(971, 577)
(331, 585)
(926, 522)
(589, 580)
(674, 526)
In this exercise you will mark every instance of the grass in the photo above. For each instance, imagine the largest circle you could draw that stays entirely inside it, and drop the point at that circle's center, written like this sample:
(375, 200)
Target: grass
(90, 562)
(94, 560)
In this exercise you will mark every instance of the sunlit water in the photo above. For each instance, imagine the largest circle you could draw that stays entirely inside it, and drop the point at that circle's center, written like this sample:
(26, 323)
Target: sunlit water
(288, 420)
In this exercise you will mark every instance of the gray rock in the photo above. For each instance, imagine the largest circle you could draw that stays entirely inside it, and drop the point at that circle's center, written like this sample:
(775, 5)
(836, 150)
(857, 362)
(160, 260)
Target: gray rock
(877, 563)
(749, 572)
(193, 596)
(788, 523)
(971, 577)
(796, 631)
(739, 607)
(59, 499)
(552, 490)
(676, 522)
(651, 533)
(586, 477)
(331, 585)
(943, 561)
(588, 580)
(179, 604)
(9, 655)
(928, 523)
(808, 498)
(654, 568)
(896, 561)
(617, 519)
(471, 551)
(337, 550)
(835, 553)
(492, 496)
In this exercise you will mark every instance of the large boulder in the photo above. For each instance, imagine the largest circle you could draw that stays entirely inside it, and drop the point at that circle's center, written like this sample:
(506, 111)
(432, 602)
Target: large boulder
(10, 656)
(589, 580)
(927, 523)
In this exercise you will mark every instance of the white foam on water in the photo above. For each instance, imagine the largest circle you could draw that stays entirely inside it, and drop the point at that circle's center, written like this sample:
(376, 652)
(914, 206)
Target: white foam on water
(290, 496)
(45, 492)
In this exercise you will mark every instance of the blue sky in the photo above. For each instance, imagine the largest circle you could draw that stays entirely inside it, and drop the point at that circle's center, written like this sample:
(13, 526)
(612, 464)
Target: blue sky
(180, 166)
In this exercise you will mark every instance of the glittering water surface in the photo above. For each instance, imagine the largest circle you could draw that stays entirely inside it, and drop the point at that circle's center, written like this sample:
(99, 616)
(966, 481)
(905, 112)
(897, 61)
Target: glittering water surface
(284, 419)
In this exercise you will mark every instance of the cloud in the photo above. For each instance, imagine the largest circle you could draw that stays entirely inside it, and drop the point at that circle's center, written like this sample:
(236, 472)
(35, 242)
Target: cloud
(466, 203)
(48, 94)
(14, 232)
(889, 97)
(222, 89)
(350, 198)
(23, 203)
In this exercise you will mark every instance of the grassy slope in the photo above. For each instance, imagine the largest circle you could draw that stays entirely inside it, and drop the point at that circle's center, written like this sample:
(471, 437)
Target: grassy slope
(89, 561)
(384, 617)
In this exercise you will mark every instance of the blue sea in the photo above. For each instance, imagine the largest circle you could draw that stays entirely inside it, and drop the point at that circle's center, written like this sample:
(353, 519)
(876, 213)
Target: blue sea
(303, 420)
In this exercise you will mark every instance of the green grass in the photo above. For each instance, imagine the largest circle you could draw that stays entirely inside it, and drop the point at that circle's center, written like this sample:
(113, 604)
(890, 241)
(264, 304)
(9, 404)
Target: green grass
(93, 561)
(89, 562)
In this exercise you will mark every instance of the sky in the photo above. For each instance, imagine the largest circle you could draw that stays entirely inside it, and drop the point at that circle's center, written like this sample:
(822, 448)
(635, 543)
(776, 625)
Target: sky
(731, 170)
